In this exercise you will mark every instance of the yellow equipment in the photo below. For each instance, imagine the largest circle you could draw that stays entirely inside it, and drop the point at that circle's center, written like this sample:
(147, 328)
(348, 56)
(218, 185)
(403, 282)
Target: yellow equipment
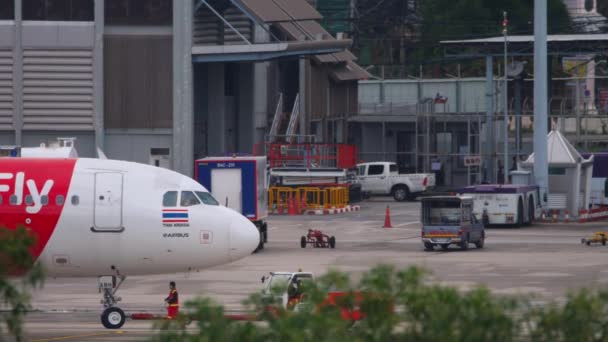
(597, 237)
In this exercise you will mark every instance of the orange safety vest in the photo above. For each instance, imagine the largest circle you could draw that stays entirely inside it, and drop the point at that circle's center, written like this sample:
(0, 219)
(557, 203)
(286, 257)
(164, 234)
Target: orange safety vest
(173, 298)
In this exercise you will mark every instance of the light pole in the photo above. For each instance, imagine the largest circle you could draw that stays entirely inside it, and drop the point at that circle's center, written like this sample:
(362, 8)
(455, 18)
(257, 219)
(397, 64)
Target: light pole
(506, 108)
(541, 170)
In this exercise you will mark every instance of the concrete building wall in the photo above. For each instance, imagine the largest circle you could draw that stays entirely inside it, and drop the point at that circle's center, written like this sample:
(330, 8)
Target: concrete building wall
(46, 77)
(216, 137)
(464, 95)
(7, 138)
(371, 134)
(245, 126)
(85, 141)
(136, 145)
(7, 73)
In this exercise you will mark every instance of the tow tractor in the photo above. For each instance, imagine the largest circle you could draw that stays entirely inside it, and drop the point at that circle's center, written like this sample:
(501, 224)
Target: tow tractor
(290, 287)
(597, 237)
(285, 288)
(317, 239)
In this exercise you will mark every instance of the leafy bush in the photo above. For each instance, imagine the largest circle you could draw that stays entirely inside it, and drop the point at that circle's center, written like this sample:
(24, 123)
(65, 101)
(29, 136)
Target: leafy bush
(16, 259)
(399, 306)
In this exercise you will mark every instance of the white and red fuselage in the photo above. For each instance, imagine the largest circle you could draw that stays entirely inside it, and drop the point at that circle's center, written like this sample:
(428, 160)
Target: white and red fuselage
(92, 217)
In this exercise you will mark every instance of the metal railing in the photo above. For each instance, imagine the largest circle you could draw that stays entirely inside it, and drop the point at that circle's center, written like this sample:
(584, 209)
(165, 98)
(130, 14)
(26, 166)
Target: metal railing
(307, 198)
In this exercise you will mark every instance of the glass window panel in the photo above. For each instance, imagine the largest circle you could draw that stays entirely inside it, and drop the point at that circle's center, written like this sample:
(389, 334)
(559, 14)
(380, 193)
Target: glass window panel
(170, 199)
(207, 198)
(7, 9)
(189, 199)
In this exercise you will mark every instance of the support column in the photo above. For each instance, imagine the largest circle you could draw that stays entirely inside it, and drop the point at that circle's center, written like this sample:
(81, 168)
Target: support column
(183, 123)
(459, 108)
(98, 93)
(303, 129)
(541, 169)
(576, 189)
(18, 74)
(260, 94)
(383, 135)
(518, 112)
(588, 176)
(488, 153)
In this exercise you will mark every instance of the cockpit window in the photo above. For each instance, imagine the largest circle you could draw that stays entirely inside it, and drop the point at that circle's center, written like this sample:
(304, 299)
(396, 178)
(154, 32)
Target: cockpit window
(206, 198)
(170, 199)
(189, 199)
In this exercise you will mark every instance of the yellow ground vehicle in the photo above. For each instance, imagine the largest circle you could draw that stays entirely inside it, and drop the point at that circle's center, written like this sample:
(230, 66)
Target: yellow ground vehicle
(597, 237)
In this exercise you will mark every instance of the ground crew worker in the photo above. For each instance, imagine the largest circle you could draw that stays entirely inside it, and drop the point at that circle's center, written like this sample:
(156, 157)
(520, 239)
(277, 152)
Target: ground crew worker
(172, 301)
(294, 292)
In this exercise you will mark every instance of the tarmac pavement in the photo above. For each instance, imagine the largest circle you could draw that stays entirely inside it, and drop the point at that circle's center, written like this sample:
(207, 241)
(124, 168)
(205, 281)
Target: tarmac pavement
(544, 260)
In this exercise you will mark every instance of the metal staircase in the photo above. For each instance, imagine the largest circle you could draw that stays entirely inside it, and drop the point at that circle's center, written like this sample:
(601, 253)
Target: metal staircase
(293, 120)
(276, 129)
(276, 121)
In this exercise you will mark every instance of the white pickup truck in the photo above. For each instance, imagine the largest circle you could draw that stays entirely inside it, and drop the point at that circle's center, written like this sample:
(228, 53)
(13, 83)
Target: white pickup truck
(383, 178)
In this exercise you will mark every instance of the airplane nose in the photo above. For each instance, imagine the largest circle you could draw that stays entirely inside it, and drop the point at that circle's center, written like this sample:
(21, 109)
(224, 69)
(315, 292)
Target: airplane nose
(244, 237)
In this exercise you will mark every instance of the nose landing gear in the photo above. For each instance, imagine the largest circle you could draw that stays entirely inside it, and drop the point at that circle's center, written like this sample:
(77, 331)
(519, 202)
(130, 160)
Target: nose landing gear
(112, 316)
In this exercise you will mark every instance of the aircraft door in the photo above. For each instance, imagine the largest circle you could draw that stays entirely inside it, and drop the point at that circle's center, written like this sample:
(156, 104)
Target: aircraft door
(108, 201)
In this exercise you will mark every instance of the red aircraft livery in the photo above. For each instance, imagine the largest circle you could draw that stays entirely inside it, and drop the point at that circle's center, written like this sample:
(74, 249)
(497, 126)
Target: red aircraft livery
(34, 193)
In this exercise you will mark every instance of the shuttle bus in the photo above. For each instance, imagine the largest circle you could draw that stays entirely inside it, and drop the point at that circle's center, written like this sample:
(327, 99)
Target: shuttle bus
(599, 179)
(510, 204)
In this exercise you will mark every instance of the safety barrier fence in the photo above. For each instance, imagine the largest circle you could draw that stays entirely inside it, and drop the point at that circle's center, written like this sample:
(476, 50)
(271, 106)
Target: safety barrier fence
(289, 199)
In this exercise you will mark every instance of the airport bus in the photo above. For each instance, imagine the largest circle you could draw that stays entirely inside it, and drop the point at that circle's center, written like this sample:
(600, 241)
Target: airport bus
(599, 179)
(510, 204)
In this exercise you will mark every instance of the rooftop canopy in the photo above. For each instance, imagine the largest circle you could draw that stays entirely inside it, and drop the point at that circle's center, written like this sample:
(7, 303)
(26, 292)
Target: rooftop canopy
(562, 44)
(560, 152)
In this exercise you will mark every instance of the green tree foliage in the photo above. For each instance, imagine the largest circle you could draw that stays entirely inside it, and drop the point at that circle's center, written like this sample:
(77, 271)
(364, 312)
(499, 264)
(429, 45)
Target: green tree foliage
(468, 19)
(408, 32)
(15, 258)
(461, 19)
(399, 306)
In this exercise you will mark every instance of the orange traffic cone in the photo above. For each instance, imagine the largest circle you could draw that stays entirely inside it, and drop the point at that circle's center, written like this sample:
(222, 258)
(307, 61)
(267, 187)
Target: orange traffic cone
(387, 218)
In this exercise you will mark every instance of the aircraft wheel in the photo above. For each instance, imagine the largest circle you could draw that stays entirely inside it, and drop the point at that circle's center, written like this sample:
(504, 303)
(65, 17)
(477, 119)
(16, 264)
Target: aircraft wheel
(113, 318)
(445, 246)
(260, 244)
(332, 242)
(303, 242)
(428, 246)
(265, 231)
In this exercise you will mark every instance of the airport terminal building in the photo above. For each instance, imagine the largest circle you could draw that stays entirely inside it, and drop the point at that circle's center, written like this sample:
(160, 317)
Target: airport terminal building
(165, 82)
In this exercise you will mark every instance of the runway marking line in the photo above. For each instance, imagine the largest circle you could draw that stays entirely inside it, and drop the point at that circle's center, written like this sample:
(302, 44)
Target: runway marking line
(72, 337)
(406, 223)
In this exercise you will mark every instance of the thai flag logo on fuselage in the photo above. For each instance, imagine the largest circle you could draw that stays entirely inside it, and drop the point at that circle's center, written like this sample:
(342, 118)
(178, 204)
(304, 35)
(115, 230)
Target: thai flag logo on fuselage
(175, 216)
